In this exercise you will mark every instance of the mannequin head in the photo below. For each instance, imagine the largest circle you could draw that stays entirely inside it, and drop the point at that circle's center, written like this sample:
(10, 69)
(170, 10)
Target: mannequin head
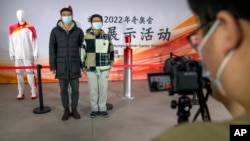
(20, 16)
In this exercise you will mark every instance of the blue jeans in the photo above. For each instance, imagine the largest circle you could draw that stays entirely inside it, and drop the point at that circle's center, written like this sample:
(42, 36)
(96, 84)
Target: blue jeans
(64, 85)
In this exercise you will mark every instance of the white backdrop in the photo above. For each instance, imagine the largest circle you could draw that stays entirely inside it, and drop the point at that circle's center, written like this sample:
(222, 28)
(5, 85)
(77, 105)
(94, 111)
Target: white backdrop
(43, 14)
(152, 23)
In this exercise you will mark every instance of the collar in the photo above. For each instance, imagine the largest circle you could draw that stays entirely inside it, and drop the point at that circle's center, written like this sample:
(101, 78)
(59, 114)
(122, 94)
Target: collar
(91, 30)
(63, 27)
(21, 24)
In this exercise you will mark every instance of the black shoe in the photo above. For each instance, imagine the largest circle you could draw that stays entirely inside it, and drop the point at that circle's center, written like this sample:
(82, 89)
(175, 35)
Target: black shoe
(93, 114)
(66, 115)
(75, 114)
(104, 114)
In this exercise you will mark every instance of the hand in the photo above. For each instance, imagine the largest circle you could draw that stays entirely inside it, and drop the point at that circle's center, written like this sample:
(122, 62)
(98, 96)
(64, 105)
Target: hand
(35, 58)
(12, 58)
(111, 64)
(84, 71)
(53, 71)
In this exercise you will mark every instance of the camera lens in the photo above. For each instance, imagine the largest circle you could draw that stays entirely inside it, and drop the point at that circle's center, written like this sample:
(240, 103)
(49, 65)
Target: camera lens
(191, 66)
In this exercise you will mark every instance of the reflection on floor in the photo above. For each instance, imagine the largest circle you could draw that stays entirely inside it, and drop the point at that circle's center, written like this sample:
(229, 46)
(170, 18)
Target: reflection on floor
(139, 119)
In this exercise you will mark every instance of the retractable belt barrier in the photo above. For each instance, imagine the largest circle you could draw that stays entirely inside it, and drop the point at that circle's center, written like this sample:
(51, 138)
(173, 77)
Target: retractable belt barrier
(41, 109)
(115, 66)
(44, 109)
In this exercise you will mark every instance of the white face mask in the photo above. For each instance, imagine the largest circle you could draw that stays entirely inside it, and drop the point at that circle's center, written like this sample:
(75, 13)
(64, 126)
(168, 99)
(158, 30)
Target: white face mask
(206, 73)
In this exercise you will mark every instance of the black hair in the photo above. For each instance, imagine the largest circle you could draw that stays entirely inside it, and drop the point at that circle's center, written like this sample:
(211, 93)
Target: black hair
(95, 15)
(66, 9)
(206, 10)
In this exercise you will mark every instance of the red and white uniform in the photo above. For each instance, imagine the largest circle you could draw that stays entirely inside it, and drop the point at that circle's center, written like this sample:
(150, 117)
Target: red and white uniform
(23, 49)
(23, 41)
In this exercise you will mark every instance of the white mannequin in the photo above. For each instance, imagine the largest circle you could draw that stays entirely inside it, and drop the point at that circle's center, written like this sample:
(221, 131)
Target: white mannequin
(20, 16)
(23, 52)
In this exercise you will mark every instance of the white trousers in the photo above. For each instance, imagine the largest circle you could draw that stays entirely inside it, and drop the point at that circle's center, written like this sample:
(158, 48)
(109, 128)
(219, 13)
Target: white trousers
(20, 75)
(98, 86)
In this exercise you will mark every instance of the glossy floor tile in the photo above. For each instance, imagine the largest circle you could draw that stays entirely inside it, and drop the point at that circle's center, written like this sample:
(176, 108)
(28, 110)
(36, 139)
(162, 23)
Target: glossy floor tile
(138, 119)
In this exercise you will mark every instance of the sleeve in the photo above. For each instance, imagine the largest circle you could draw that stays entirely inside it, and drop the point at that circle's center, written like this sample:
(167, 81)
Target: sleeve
(34, 42)
(80, 46)
(111, 49)
(11, 45)
(83, 53)
(52, 51)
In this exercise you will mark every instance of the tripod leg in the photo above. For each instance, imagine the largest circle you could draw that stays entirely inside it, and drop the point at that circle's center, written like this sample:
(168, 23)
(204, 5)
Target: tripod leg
(203, 106)
(195, 99)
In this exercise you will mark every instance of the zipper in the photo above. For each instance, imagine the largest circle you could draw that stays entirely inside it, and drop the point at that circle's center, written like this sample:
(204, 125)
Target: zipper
(22, 38)
(68, 57)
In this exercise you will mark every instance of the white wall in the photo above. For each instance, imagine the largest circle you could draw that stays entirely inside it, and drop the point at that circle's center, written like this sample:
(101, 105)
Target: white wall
(43, 14)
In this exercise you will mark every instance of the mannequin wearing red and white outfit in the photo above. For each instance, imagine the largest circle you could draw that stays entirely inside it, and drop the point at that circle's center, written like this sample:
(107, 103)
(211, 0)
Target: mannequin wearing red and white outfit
(24, 52)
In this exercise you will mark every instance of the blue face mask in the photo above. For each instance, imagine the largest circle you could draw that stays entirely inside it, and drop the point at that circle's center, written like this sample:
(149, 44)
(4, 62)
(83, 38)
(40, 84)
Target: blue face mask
(97, 25)
(67, 19)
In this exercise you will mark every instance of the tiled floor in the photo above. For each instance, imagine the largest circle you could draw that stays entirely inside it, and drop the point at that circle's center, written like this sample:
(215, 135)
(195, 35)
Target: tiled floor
(140, 119)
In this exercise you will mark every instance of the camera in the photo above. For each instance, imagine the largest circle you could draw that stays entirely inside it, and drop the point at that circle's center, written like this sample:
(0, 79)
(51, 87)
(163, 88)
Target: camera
(183, 75)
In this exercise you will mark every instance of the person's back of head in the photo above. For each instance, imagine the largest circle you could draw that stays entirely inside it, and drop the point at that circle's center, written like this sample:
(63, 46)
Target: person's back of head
(206, 10)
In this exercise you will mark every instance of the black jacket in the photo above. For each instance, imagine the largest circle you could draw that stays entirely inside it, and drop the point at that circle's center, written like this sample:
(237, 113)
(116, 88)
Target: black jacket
(64, 51)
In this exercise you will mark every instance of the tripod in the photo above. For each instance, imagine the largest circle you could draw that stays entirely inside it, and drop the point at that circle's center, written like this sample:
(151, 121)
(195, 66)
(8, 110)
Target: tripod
(184, 105)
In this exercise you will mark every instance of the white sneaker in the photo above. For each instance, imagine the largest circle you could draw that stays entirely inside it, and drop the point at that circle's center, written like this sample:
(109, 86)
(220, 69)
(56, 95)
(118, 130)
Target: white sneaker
(33, 96)
(20, 96)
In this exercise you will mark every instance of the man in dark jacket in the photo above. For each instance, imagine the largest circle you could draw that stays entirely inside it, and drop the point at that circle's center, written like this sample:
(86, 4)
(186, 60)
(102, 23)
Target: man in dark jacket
(64, 59)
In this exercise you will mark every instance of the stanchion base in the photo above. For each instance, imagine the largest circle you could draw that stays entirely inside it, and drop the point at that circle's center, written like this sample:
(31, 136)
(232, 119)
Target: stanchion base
(128, 98)
(43, 110)
(109, 106)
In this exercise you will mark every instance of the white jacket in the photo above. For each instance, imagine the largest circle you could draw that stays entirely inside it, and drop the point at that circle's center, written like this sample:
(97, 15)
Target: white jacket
(23, 41)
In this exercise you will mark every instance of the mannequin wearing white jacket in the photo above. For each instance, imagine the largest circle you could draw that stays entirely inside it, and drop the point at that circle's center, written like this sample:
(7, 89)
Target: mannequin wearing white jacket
(23, 51)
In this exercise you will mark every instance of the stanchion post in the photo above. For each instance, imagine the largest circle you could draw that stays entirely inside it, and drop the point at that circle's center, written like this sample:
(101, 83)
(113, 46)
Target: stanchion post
(42, 109)
(128, 68)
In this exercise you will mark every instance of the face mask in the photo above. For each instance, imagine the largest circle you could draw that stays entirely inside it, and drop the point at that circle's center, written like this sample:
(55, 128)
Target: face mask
(97, 25)
(67, 19)
(206, 73)
(216, 80)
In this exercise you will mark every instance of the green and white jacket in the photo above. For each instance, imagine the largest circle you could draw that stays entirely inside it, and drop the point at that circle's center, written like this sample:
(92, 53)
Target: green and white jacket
(97, 51)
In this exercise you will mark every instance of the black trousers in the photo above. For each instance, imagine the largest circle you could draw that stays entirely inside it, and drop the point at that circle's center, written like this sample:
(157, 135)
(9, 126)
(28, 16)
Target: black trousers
(64, 91)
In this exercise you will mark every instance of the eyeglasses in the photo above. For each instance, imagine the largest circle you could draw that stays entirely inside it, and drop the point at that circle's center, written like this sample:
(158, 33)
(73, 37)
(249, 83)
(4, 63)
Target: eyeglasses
(63, 15)
(209, 31)
(96, 21)
(194, 39)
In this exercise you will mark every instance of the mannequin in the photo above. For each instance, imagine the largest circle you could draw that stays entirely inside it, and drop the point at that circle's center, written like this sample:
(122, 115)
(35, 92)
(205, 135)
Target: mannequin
(23, 51)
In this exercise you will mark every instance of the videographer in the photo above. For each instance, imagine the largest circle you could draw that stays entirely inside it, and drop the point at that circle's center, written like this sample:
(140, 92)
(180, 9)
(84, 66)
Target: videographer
(224, 48)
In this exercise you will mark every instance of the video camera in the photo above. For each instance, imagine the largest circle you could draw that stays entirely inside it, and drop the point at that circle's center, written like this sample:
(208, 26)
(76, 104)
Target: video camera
(182, 75)
(185, 74)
